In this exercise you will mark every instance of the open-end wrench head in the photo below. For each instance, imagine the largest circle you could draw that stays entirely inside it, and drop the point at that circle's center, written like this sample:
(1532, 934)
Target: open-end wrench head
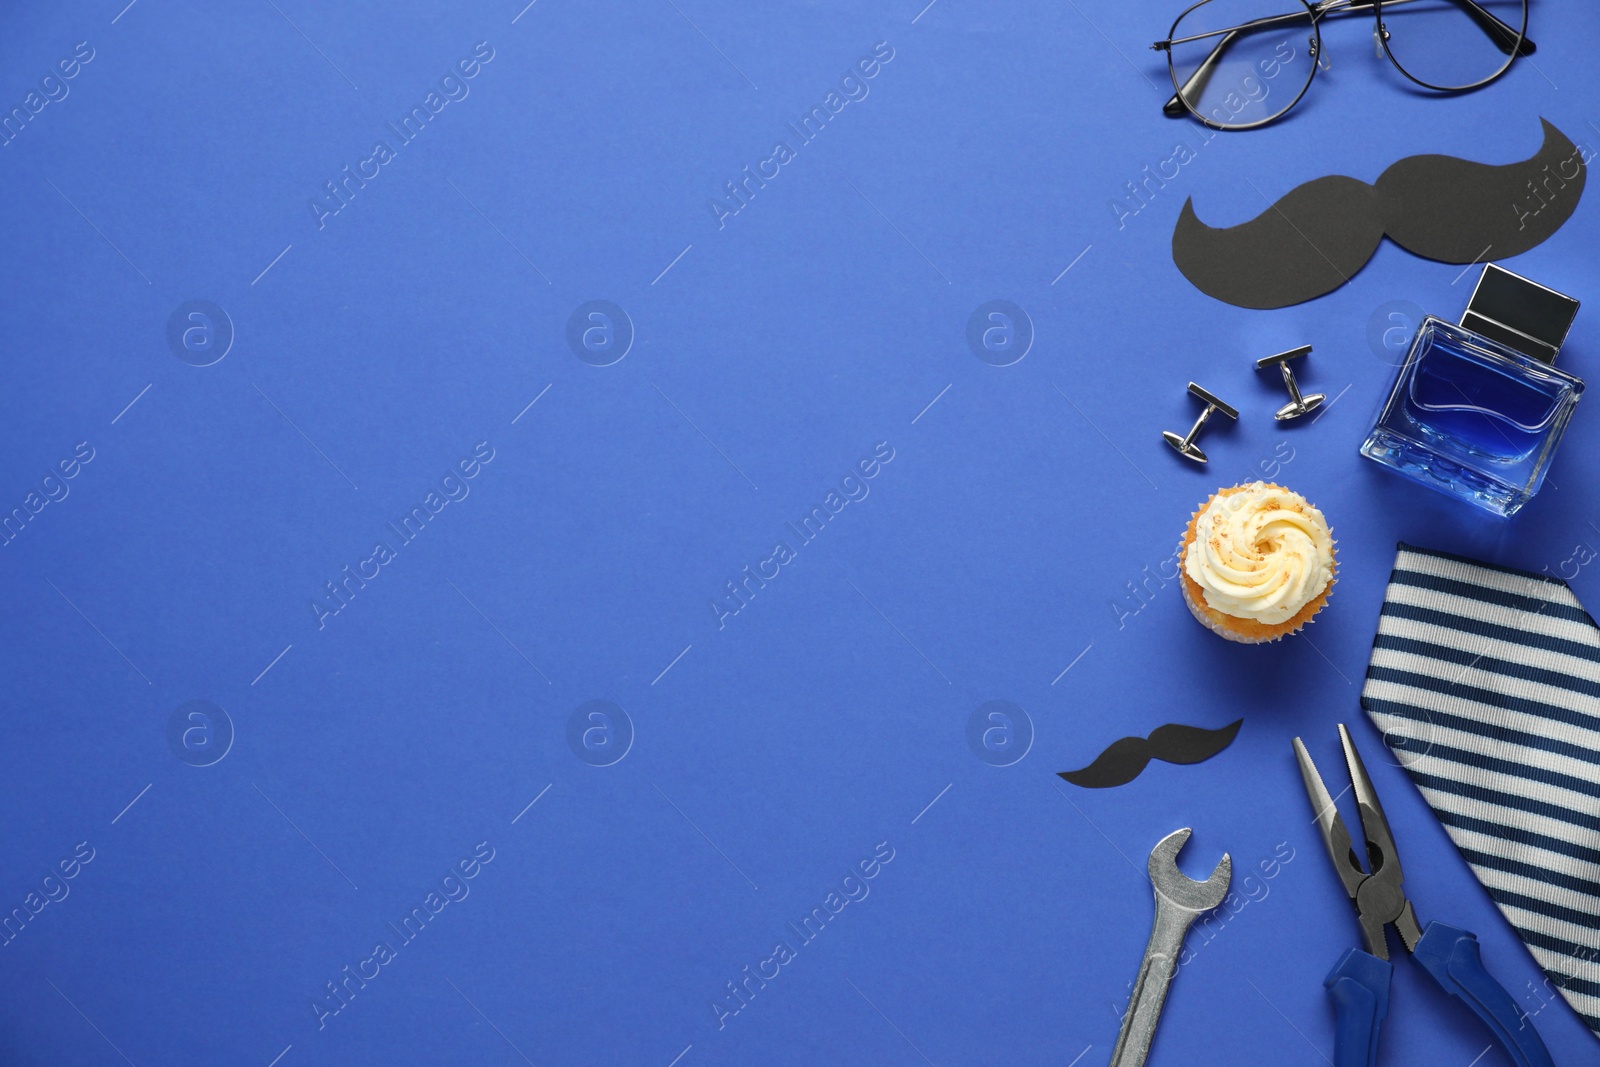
(1178, 888)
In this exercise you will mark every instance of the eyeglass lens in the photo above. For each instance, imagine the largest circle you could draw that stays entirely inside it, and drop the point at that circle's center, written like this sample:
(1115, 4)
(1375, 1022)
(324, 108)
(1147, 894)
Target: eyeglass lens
(1453, 44)
(1242, 62)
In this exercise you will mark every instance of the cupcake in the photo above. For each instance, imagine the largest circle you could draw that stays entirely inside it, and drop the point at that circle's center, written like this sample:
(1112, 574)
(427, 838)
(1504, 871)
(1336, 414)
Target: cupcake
(1258, 563)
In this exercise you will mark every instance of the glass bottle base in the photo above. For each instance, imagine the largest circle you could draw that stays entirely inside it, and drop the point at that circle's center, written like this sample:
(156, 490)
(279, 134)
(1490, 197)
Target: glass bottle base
(1408, 458)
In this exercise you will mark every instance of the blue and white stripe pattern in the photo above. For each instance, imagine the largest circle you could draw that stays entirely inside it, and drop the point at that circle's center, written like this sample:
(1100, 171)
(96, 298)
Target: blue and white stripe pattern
(1486, 684)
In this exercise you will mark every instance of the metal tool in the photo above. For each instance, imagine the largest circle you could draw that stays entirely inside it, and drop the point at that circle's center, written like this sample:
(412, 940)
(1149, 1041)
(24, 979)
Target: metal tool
(1185, 445)
(1359, 982)
(1179, 901)
(1298, 405)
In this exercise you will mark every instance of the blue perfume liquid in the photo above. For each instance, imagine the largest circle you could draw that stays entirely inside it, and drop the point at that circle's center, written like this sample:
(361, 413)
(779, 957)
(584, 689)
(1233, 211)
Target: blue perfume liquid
(1475, 419)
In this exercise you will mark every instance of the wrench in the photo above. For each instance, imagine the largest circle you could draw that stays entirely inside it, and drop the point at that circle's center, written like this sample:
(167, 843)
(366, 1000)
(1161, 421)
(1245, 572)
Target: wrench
(1179, 901)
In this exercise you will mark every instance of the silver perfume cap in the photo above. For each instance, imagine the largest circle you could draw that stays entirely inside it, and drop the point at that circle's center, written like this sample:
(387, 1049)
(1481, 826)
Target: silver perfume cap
(1519, 313)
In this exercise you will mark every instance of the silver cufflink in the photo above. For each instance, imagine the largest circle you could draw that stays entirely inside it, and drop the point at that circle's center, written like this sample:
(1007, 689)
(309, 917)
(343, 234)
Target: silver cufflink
(1185, 445)
(1298, 405)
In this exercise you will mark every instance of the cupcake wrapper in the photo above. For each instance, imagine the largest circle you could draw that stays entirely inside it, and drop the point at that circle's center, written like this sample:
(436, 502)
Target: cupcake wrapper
(1220, 629)
(1241, 631)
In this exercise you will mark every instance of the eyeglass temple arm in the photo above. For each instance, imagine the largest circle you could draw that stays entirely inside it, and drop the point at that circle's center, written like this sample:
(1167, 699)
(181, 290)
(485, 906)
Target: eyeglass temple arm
(1501, 34)
(1498, 32)
(1174, 107)
(1196, 83)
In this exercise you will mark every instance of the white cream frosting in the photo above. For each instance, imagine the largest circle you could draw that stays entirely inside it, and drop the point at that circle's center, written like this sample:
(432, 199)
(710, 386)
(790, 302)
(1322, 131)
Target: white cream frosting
(1261, 553)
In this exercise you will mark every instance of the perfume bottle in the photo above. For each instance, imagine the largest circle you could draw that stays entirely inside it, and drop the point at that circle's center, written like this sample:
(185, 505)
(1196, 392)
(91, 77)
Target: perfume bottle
(1478, 409)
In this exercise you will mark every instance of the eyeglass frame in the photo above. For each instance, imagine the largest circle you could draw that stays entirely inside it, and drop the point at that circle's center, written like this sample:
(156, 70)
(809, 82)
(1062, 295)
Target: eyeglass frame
(1316, 12)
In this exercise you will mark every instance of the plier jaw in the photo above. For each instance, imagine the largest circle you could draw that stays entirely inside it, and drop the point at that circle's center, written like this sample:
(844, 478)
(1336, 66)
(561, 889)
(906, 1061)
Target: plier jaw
(1379, 899)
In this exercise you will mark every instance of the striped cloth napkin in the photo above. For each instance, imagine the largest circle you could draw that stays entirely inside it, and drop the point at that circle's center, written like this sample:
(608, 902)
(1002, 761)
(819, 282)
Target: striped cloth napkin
(1486, 684)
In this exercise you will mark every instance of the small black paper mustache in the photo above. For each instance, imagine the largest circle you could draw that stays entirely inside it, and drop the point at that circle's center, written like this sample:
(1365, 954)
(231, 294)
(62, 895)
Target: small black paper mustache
(1125, 759)
(1318, 235)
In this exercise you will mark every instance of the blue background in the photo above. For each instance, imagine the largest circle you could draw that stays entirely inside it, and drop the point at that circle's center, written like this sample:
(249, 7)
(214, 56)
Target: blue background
(771, 354)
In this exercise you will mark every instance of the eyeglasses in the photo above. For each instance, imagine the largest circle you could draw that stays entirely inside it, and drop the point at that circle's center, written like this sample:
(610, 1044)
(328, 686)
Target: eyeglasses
(1239, 64)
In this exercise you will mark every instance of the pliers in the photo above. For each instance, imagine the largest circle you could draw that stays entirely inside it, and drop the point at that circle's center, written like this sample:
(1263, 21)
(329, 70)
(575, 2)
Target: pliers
(1359, 982)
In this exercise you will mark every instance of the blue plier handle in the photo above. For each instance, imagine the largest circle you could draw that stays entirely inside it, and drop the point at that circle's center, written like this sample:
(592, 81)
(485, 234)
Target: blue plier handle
(1359, 986)
(1359, 982)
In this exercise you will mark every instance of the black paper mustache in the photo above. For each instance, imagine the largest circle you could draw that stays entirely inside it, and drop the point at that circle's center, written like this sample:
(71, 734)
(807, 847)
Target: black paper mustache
(1321, 233)
(1126, 758)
